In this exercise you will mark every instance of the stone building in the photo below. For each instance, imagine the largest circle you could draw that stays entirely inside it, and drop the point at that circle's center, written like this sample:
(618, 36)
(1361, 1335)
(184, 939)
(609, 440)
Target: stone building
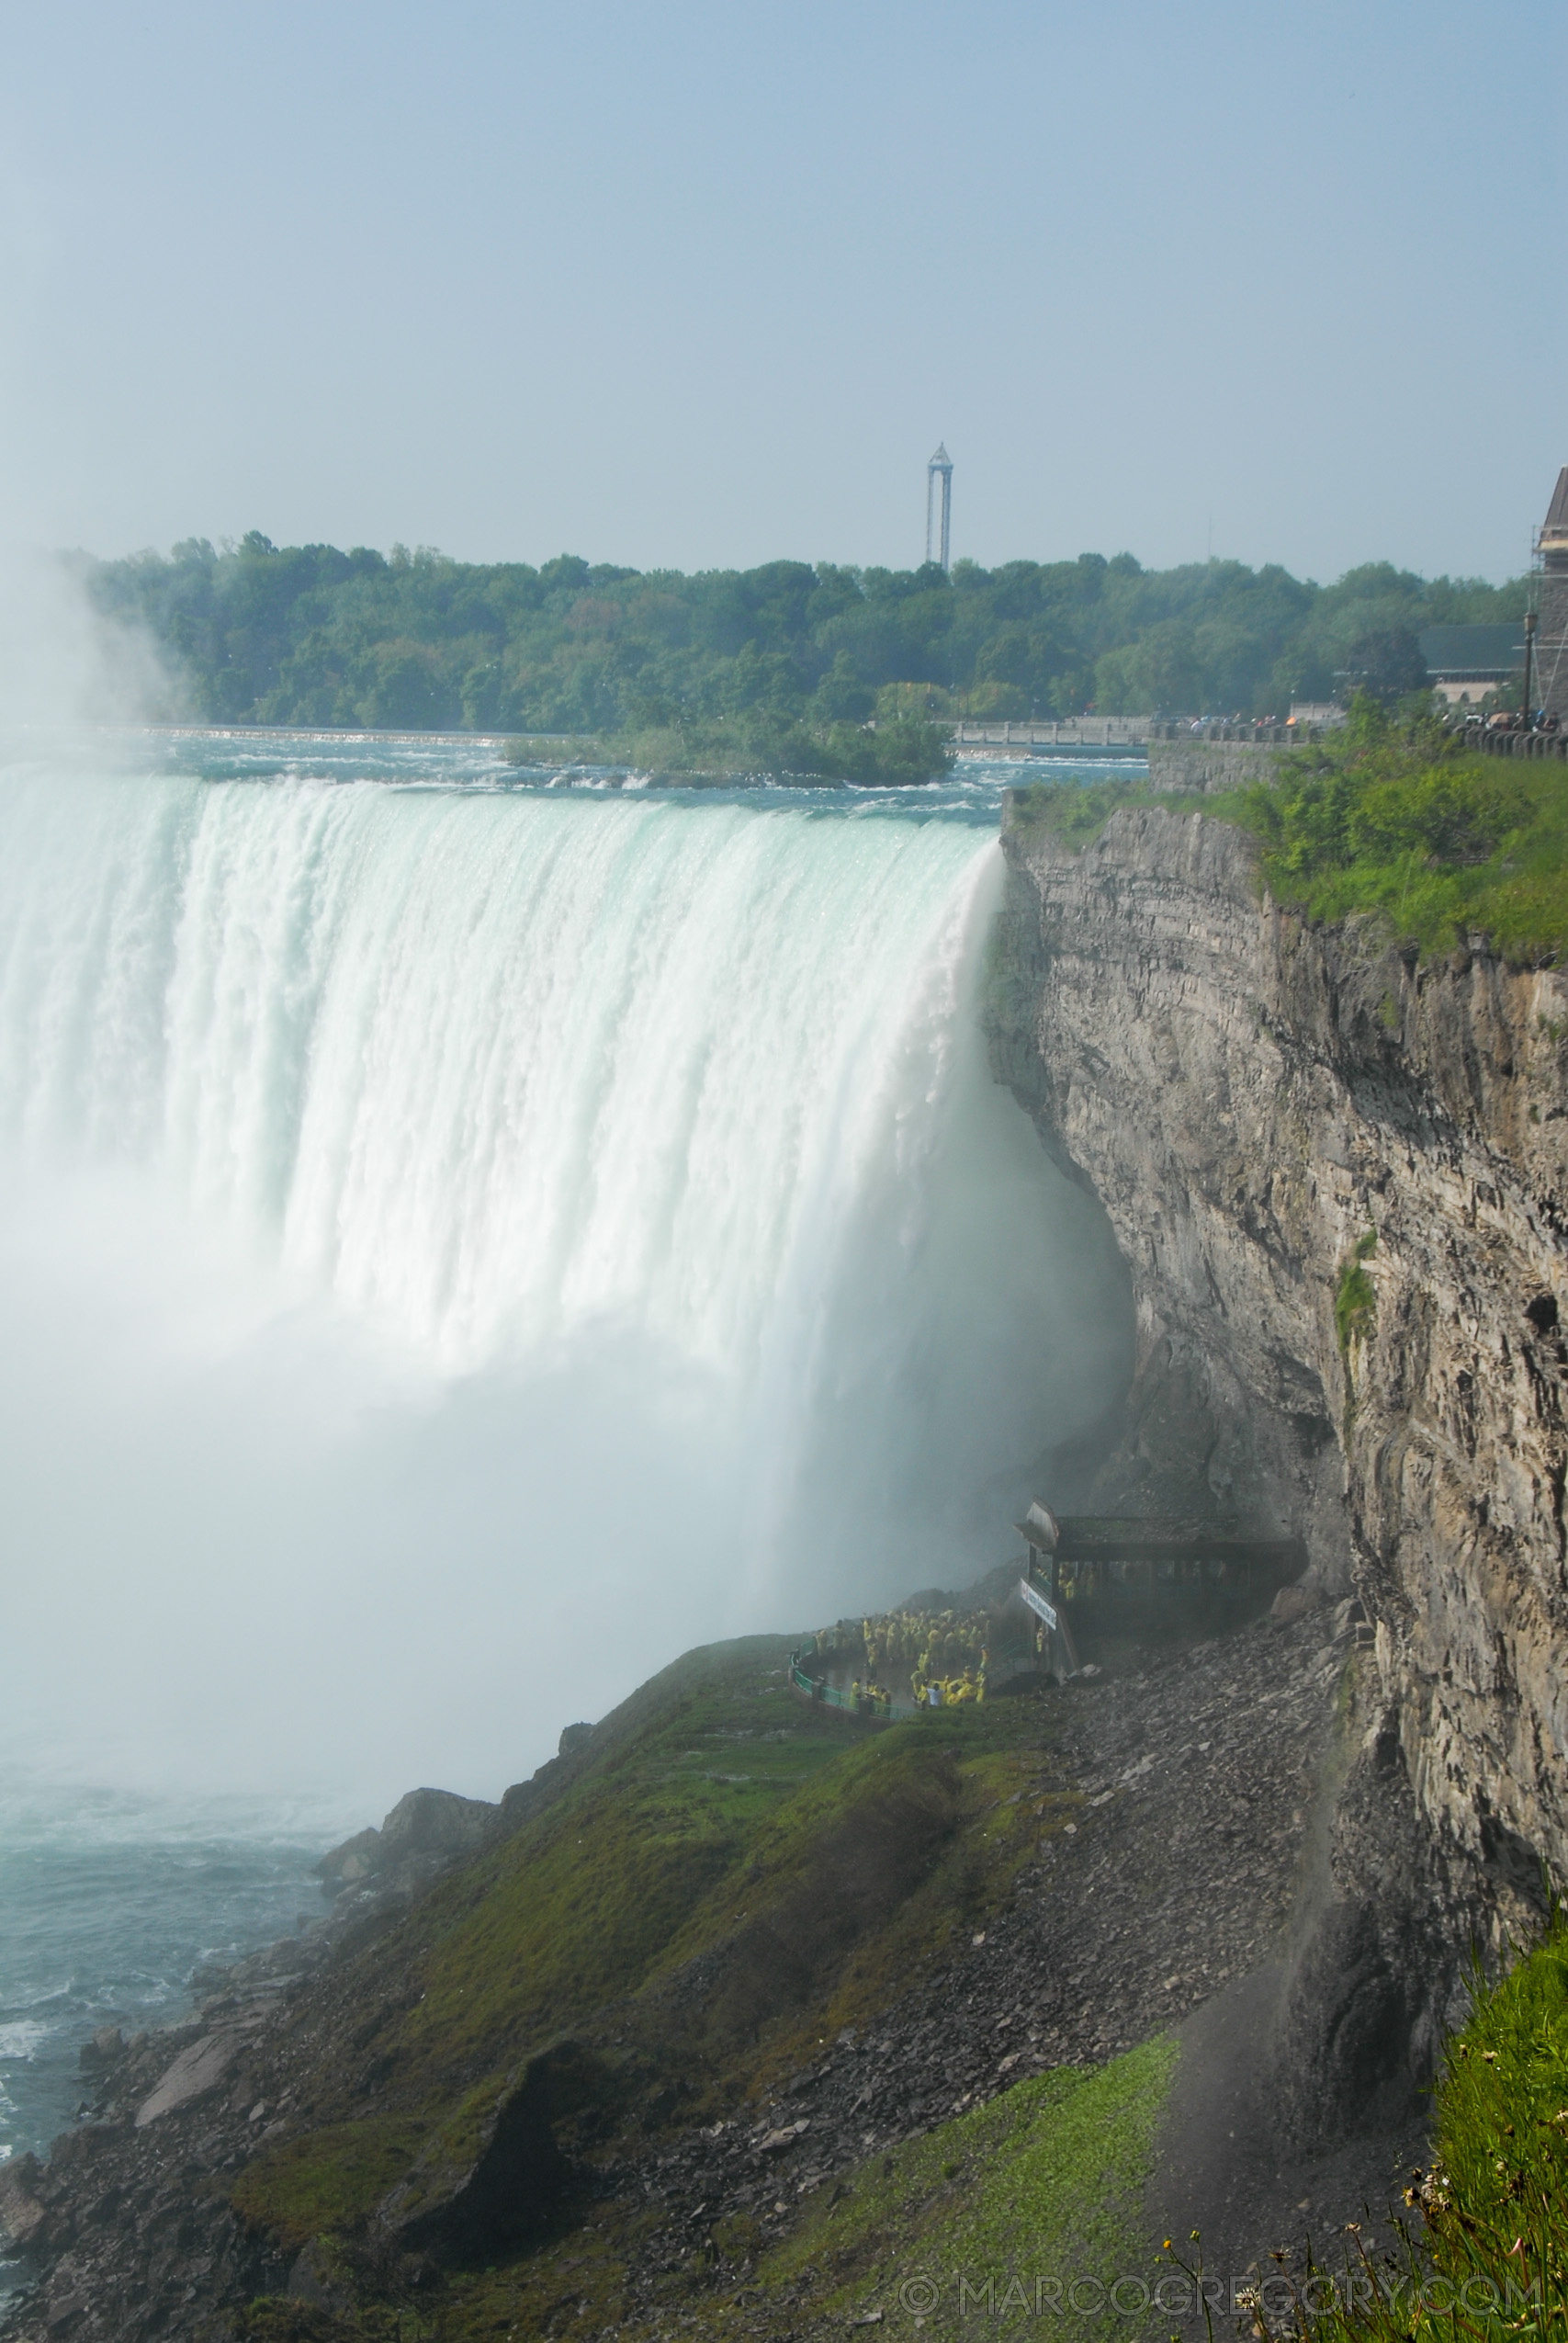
(1463, 663)
(1552, 643)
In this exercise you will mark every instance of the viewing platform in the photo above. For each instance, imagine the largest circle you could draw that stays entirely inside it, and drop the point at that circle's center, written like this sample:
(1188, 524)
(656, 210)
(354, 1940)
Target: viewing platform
(1128, 732)
(1139, 1553)
(1089, 1567)
(822, 1693)
(1019, 738)
(1094, 1574)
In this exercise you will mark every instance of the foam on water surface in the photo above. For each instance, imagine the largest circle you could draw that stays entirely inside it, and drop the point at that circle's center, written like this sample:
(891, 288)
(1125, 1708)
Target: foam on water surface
(108, 1903)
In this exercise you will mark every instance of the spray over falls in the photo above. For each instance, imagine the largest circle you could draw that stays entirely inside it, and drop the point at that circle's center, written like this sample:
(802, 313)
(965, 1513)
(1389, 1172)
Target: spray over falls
(463, 1246)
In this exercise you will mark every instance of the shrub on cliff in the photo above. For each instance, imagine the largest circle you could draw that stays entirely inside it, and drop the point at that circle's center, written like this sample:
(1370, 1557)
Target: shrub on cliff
(1073, 813)
(1403, 822)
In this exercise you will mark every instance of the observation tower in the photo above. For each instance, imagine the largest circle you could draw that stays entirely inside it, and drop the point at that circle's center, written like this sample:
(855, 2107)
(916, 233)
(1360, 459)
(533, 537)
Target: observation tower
(940, 467)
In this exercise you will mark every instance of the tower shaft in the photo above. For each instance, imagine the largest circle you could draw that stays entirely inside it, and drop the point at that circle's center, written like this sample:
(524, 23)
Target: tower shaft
(939, 530)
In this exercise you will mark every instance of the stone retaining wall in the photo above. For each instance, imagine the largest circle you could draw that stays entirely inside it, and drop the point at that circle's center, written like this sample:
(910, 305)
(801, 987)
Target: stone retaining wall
(1193, 764)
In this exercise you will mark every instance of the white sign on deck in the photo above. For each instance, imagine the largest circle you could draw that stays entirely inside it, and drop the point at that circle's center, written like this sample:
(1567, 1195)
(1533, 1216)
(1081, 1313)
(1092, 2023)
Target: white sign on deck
(1037, 1602)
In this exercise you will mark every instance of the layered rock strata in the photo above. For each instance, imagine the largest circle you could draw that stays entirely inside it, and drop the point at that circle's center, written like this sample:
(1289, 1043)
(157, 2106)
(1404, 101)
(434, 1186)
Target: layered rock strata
(1338, 1177)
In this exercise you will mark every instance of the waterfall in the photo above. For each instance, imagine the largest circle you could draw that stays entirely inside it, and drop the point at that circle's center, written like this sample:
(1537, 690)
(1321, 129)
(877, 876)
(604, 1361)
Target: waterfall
(461, 1245)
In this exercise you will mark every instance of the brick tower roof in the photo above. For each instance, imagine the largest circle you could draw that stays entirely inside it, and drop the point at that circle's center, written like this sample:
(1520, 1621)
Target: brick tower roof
(1556, 522)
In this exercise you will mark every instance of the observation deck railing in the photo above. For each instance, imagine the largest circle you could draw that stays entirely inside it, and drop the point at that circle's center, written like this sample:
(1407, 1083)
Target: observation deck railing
(1031, 733)
(821, 1695)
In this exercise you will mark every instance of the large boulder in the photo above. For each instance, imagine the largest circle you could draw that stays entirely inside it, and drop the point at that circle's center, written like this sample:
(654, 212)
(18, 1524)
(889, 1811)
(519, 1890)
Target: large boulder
(499, 2175)
(434, 1822)
(106, 2050)
(347, 1865)
(21, 2214)
(197, 2070)
(424, 1830)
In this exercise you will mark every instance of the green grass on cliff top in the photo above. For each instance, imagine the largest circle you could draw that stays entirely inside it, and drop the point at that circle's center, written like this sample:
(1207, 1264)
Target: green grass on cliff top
(1391, 818)
(1073, 813)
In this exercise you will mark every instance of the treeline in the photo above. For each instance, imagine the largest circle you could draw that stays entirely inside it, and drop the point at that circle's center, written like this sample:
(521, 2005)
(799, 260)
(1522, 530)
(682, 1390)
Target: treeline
(258, 633)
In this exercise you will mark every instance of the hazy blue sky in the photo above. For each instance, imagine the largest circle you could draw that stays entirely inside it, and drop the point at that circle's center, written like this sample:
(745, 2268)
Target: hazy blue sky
(693, 285)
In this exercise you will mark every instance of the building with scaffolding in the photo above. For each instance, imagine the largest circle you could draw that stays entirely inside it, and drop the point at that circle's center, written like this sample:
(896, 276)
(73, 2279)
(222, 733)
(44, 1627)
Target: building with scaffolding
(1551, 692)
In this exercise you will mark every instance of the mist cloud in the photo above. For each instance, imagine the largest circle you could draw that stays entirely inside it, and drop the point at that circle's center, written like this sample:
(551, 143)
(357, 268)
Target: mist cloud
(64, 666)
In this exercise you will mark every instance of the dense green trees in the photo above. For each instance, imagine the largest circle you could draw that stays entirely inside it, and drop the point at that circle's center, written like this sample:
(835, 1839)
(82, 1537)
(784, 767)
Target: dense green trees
(258, 633)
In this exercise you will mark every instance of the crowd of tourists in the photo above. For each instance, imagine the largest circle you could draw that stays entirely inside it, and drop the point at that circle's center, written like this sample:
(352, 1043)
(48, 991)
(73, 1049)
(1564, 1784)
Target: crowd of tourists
(1240, 723)
(952, 1692)
(934, 1692)
(945, 1654)
(1506, 720)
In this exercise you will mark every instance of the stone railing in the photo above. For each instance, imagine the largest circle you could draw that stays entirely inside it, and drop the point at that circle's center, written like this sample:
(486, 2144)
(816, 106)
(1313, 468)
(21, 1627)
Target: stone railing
(1257, 736)
(1074, 732)
(1017, 738)
(1494, 740)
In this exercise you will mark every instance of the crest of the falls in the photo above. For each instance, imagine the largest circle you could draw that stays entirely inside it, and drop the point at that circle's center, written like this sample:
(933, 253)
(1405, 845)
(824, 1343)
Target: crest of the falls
(462, 1245)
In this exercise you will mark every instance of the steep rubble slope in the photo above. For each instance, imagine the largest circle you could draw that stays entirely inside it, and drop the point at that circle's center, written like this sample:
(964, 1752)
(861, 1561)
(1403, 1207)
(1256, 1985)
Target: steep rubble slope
(693, 2109)
(1280, 1120)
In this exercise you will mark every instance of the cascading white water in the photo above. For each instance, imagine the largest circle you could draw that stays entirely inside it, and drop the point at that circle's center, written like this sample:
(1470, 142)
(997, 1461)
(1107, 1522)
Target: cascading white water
(460, 1247)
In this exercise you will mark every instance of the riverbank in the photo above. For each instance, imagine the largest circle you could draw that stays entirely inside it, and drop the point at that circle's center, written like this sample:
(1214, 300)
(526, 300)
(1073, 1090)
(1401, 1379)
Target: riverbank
(108, 1904)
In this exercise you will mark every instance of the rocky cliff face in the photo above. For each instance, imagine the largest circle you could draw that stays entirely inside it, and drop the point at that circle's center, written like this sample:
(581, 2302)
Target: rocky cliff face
(1339, 1179)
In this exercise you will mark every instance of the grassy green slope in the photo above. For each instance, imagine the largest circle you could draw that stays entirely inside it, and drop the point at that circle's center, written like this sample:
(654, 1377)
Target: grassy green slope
(729, 1879)
(1004, 2210)
(995, 2216)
